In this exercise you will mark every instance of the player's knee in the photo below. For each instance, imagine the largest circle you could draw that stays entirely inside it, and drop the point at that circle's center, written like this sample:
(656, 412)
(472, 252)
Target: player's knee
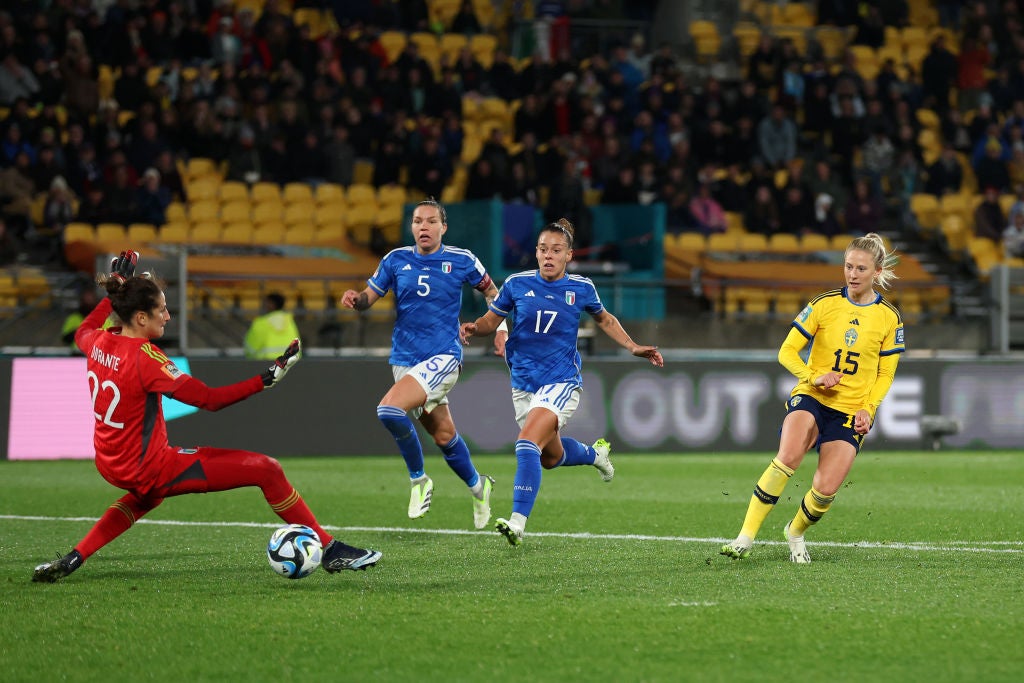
(548, 461)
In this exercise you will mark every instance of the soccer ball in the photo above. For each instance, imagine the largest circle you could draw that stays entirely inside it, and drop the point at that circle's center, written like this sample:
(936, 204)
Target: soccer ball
(294, 551)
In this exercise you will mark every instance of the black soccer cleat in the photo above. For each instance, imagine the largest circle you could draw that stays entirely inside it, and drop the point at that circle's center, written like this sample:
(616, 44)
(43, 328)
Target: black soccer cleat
(339, 556)
(58, 569)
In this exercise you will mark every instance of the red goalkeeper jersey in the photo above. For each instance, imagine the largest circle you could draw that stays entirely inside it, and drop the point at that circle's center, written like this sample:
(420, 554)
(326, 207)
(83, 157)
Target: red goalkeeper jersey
(127, 378)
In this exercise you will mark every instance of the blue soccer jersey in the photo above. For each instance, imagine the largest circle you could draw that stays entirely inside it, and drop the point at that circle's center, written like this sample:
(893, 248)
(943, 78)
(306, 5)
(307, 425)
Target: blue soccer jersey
(428, 299)
(541, 347)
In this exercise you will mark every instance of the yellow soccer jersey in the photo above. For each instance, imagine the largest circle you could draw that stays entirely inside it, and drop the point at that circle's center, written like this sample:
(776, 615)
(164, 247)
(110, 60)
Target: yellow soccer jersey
(852, 339)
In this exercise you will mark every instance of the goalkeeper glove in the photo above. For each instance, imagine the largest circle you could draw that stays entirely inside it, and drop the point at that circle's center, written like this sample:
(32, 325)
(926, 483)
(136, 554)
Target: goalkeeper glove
(281, 365)
(123, 267)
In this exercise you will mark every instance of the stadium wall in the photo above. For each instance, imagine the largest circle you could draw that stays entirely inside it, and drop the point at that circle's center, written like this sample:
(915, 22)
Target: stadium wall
(327, 407)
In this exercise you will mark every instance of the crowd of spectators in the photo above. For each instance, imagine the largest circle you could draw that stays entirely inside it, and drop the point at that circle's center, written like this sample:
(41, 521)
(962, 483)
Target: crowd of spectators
(796, 144)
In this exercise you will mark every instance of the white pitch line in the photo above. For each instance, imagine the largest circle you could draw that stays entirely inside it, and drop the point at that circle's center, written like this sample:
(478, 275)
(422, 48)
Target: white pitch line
(950, 546)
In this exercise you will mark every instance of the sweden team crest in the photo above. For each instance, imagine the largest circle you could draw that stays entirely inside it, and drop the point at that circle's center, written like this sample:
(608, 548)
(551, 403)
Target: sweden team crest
(851, 337)
(570, 298)
(446, 266)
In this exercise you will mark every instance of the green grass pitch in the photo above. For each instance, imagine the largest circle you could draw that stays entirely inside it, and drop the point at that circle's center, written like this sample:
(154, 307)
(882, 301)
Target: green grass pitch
(918, 575)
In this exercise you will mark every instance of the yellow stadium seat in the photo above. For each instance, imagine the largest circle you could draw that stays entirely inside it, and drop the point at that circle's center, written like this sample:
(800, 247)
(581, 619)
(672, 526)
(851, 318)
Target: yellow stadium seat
(391, 194)
(452, 44)
(299, 214)
(957, 204)
(753, 243)
(297, 192)
(734, 222)
(299, 234)
(199, 167)
(814, 242)
(329, 193)
(203, 211)
(202, 189)
(362, 172)
(393, 43)
(141, 233)
(234, 191)
(237, 233)
(359, 222)
(111, 233)
(267, 213)
(205, 232)
(483, 46)
(787, 304)
(723, 241)
(747, 35)
(176, 212)
(691, 241)
(426, 42)
(329, 234)
(360, 193)
(925, 208)
(265, 192)
(268, 233)
(840, 242)
(331, 214)
(235, 212)
(783, 242)
(79, 232)
(174, 233)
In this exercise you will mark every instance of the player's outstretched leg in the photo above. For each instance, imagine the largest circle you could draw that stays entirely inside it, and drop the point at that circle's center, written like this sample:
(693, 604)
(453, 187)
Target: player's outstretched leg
(339, 556)
(49, 572)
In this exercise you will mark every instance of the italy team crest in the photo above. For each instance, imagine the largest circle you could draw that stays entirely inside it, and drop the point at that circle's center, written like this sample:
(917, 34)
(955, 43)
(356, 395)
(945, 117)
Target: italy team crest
(570, 298)
(446, 266)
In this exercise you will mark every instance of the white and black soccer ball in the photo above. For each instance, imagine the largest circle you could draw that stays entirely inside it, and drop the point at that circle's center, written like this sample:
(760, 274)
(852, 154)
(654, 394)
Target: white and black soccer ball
(294, 551)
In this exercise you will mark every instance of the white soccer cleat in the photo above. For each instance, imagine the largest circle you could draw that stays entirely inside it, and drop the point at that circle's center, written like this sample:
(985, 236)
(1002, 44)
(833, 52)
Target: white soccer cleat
(797, 548)
(737, 549)
(512, 533)
(419, 497)
(602, 462)
(482, 505)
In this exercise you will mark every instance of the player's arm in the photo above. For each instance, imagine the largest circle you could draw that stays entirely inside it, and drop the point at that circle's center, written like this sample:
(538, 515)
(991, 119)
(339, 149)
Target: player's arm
(789, 357)
(359, 301)
(490, 292)
(481, 327)
(92, 325)
(611, 326)
(197, 393)
(883, 381)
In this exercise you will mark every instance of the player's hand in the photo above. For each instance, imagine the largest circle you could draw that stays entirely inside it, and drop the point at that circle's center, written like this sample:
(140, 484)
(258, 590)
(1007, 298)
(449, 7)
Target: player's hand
(651, 353)
(349, 298)
(122, 267)
(862, 422)
(282, 365)
(500, 337)
(828, 380)
(465, 332)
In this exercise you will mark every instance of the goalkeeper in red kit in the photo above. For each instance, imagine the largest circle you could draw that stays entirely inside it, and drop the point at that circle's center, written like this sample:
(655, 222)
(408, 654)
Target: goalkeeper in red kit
(127, 376)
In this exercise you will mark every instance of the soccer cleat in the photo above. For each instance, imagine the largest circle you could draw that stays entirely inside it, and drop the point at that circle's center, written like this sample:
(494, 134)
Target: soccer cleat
(797, 548)
(737, 549)
(512, 534)
(58, 569)
(338, 556)
(601, 460)
(482, 505)
(419, 498)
